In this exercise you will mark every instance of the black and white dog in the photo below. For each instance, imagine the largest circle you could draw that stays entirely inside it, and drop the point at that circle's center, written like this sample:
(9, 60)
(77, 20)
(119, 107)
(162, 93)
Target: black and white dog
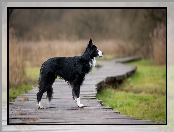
(71, 69)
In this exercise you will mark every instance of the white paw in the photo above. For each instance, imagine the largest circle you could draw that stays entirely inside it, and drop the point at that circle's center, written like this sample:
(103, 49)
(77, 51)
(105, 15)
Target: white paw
(80, 105)
(40, 106)
(78, 102)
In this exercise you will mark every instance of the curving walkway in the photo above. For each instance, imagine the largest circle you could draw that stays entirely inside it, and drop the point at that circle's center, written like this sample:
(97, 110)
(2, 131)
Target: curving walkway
(65, 111)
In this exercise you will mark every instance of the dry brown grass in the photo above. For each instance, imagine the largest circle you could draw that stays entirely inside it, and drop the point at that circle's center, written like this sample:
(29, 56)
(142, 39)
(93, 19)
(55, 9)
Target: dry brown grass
(16, 63)
(38, 52)
(32, 54)
(158, 39)
(35, 53)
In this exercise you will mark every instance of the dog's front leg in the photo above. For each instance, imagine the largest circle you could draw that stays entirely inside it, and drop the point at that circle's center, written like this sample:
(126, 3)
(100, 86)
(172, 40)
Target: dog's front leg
(78, 102)
(76, 95)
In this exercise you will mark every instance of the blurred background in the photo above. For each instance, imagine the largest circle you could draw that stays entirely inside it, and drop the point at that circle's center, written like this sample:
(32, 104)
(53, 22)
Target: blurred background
(38, 34)
(155, 37)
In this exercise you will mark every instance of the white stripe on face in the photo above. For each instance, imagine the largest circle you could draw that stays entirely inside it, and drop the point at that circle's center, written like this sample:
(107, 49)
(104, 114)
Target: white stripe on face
(100, 53)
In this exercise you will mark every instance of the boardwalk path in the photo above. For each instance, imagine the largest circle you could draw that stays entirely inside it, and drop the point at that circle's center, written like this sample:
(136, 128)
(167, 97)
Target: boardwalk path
(65, 110)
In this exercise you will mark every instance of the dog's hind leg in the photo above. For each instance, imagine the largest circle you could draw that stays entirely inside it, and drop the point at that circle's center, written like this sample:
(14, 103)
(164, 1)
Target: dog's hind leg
(49, 90)
(41, 91)
(49, 95)
(45, 84)
(39, 96)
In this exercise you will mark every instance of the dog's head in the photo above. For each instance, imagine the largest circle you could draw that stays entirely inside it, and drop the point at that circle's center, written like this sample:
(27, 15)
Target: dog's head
(93, 51)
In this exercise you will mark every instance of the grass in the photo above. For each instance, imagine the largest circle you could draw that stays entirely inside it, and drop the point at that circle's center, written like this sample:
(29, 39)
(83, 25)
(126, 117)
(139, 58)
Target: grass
(148, 79)
(16, 91)
(35, 57)
(32, 74)
(142, 95)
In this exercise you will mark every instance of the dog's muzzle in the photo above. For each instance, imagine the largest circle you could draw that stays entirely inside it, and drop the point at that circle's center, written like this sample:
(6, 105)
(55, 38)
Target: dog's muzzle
(100, 53)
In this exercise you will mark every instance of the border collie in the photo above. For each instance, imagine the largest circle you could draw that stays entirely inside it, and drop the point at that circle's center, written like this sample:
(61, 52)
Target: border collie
(71, 69)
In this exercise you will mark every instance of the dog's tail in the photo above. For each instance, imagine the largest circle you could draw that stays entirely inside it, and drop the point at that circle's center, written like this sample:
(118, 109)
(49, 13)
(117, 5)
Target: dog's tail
(39, 81)
(40, 76)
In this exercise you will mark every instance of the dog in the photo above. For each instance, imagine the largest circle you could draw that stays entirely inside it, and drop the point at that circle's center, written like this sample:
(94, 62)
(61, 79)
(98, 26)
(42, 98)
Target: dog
(71, 69)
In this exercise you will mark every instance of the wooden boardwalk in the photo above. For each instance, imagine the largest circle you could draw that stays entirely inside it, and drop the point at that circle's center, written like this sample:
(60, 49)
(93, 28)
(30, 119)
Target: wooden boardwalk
(64, 109)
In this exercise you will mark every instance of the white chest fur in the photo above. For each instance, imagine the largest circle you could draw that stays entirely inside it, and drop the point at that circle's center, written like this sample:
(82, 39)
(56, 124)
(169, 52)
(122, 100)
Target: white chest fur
(92, 63)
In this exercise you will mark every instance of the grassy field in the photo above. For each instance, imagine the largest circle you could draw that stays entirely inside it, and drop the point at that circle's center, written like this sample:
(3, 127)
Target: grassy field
(142, 95)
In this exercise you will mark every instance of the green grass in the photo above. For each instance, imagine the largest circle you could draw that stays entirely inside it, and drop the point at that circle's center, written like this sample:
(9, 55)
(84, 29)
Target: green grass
(16, 91)
(32, 74)
(141, 106)
(142, 95)
(148, 79)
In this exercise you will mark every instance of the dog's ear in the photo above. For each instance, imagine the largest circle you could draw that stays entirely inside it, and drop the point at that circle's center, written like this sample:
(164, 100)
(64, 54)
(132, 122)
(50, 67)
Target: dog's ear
(90, 43)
